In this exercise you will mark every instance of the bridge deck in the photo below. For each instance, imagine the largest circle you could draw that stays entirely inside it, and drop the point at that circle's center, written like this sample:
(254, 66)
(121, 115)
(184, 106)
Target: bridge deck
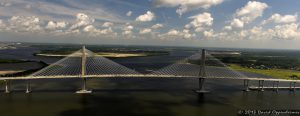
(273, 88)
(139, 76)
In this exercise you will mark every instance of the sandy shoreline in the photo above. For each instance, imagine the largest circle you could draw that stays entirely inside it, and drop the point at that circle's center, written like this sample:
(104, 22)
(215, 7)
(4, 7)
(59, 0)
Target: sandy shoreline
(10, 72)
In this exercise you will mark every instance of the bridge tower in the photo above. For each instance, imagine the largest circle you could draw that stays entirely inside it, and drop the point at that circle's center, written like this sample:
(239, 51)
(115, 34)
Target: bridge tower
(202, 73)
(83, 71)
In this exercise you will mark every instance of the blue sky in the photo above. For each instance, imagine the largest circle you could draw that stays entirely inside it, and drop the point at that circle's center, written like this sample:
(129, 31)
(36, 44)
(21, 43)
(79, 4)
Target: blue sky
(203, 23)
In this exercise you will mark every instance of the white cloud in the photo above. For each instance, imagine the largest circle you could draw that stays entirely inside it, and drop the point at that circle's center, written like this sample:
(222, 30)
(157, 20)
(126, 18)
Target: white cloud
(187, 5)
(2, 24)
(21, 23)
(129, 27)
(145, 31)
(149, 16)
(237, 23)
(251, 11)
(290, 31)
(200, 22)
(56, 25)
(92, 31)
(209, 33)
(128, 30)
(107, 31)
(89, 28)
(48, 10)
(287, 31)
(82, 21)
(157, 26)
(173, 34)
(5, 4)
(277, 18)
(247, 14)
(228, 28)
(129, 13)
(83, 25)
(107, 24)
(187, 35)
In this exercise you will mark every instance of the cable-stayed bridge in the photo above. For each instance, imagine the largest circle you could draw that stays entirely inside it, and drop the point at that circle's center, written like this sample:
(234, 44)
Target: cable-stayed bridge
(86, 64)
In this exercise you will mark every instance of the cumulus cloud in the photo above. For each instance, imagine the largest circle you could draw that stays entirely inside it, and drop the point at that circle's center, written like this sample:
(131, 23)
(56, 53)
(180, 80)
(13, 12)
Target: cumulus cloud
(245, 15)
(5, 4)
(236, 23)
(149, 16)
(83, 25)
(173, 32)
(145, 31)
(290, 31)
(129, 13)
(200, 22)
(93, 31)
(228, 28)
(176, 34)
(251, 11)
(287, 31)
(82, 21)
(187, 5)
(107, 24)
(89, 28)
(21, 23)
(107, 31)
(128, 30)
(52, 25)
(209, 34)
(187, 35)
(2, 24)
(157, 26)
(277, 18)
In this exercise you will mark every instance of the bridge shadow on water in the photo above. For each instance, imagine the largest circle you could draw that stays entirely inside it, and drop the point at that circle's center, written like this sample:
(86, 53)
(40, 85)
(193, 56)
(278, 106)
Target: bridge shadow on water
(129, 104)
(125, 97)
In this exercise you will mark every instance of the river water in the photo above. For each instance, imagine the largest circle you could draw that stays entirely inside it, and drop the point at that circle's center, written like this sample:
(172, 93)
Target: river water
(139, 96)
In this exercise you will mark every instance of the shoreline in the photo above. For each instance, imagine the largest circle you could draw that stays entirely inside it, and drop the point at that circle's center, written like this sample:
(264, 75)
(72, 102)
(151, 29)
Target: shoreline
(104, 54)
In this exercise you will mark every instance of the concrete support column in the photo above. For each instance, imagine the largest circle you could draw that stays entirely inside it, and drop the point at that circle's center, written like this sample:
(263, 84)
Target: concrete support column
(83, 72)
(292, 86)
(246, 85)
(7, 86)
(261, 85)
(28, 87)
(275, 86)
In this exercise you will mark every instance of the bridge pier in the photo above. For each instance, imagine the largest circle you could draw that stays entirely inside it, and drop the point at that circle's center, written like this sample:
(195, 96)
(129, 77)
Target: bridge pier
(7, 86)
(28, 87)
(261, 85)
(275, 88)
(246, 85)
(83, 89)
(201, 86)
(292, 86)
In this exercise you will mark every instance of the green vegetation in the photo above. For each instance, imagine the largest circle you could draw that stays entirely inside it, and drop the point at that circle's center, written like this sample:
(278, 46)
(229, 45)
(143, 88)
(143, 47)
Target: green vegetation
(284, 64)
(276, 73)
(264, 62)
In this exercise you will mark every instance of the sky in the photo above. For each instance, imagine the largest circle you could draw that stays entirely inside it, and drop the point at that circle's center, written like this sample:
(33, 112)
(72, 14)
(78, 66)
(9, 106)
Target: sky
(200, 23)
